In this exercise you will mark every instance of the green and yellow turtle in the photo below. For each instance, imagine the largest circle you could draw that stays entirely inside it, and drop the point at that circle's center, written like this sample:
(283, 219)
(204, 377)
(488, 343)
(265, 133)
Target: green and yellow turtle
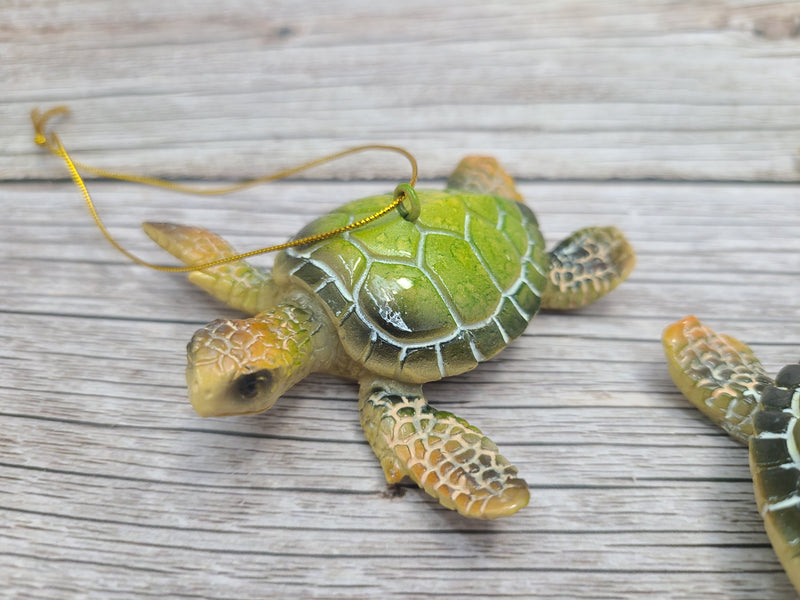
(394, 304)
(723, 378)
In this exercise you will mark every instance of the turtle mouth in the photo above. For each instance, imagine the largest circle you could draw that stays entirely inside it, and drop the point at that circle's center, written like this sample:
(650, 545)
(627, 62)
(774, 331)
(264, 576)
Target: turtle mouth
(226, 414)
(209, 404)
(212, 407)
(229, 398)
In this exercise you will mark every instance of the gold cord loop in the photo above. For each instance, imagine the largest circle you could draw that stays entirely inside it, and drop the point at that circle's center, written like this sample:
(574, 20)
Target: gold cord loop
(51, 142)
(407, 195)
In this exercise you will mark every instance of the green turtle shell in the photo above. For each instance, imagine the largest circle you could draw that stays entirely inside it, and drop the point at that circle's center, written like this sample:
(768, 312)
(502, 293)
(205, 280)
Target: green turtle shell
(420, 300)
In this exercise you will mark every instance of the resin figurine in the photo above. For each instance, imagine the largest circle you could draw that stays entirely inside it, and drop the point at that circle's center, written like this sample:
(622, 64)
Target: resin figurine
(723, 378)
(417, 295)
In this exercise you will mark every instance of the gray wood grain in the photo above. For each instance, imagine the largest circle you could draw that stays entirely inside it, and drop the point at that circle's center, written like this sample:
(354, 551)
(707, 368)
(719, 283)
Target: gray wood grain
(113, 482)
(627, 89)
(110, 485)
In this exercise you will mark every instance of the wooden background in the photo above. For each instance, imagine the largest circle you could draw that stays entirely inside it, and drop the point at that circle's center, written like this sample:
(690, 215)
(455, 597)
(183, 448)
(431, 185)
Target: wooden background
(678, 121)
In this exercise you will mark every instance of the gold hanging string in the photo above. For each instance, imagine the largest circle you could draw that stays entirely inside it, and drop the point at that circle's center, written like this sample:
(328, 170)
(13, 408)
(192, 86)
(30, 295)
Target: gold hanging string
(404, 193)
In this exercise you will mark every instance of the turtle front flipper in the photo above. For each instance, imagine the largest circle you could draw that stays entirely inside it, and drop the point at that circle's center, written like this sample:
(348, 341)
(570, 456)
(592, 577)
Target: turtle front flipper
(586, 266)
(717, 373)
(238, 284)
(446, 456)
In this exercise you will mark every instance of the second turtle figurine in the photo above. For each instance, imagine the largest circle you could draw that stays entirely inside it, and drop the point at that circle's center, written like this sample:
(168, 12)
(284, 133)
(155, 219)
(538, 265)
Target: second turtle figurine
(722, 377)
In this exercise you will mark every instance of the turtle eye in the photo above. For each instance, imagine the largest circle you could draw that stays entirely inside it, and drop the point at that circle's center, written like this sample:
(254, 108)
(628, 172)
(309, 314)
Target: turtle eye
(253, 384)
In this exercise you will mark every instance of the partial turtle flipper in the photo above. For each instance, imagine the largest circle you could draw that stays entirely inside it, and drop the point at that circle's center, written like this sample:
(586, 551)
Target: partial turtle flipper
(722, 377)
(717, 373)
(446, 456)
(586, 266)
(238, 284)
(483, 175)
(775, 466)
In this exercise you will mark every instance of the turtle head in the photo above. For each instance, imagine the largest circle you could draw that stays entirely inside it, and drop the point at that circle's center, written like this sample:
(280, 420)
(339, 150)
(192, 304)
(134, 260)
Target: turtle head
(242, 366)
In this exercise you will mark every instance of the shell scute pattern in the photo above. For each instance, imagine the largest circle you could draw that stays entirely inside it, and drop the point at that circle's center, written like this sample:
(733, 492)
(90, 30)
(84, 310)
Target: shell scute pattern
(450, 215)
(488, 212)
(776, 448)
(466, 281)
(395, 239)
(459, 352)
(524, 296)
(457, 284)
(424, 361)
(344, 258)
(511, 319)
(489, 339)
(496, 249)
(382, 299)
(332, 296)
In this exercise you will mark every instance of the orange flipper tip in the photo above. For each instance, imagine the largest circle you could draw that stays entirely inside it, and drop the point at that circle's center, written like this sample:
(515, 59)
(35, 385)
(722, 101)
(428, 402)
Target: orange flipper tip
(675, 334)
(514, 500)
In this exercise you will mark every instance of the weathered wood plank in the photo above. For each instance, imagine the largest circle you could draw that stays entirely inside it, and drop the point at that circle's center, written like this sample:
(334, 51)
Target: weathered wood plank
(627, 89)
(111, 485)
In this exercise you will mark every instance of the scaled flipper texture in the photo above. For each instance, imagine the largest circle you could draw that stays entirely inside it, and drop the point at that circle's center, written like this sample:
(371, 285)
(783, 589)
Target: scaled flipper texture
(446, 456)
(586, 266)
(717, 373)
(238, 284)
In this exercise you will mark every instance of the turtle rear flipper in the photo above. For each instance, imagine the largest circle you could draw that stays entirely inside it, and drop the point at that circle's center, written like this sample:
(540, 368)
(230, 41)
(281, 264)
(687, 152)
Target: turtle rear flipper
(717, 373)
(447, 457)
(586, 266)
(483, 175)
(238, 284)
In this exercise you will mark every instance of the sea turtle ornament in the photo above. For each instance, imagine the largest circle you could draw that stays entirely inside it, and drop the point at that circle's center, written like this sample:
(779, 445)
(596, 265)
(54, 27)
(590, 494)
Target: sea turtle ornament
(406, 299)
(722, 377)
